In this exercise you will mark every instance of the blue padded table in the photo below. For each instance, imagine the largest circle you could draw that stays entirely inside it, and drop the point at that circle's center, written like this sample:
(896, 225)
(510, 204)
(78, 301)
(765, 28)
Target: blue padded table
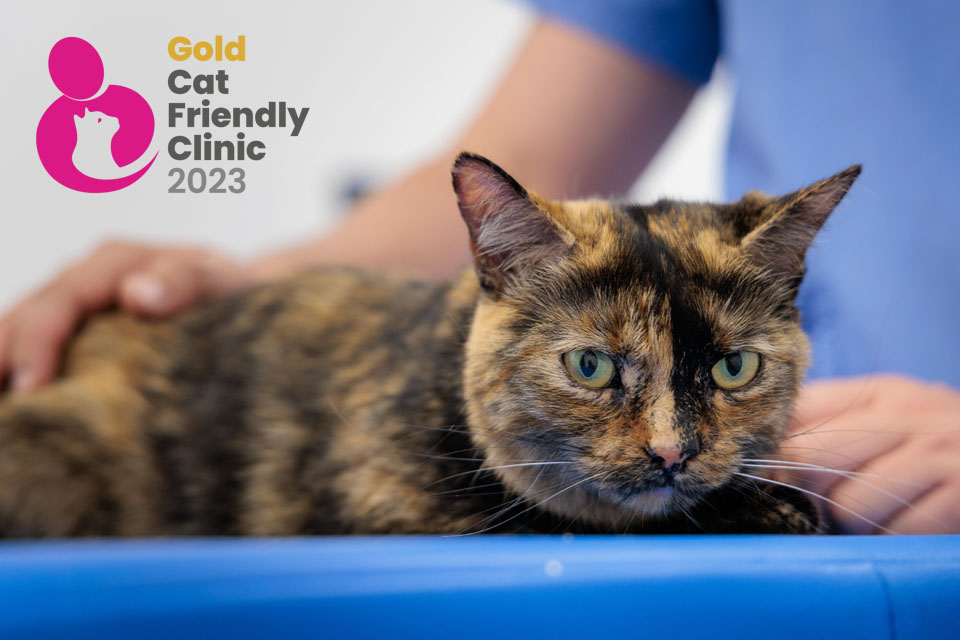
(485, 587)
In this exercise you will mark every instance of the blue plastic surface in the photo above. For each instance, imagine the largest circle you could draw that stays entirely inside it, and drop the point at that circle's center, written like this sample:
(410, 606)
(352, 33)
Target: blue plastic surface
(485, 587)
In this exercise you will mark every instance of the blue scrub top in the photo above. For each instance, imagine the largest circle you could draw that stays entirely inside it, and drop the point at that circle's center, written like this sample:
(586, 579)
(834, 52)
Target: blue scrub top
(820, 85)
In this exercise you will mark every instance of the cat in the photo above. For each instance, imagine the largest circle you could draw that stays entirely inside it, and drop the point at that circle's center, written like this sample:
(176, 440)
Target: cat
(602, 367)
(93, 156)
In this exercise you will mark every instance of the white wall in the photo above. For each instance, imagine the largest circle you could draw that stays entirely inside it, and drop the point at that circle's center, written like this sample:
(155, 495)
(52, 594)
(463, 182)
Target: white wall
(386, 82)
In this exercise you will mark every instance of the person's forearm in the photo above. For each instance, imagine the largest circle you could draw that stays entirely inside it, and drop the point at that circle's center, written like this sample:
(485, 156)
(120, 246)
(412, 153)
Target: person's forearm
(574, 117)
(413, 223)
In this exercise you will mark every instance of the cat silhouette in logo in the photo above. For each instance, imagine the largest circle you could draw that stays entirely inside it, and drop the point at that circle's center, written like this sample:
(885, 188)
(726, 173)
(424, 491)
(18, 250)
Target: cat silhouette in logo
(93, 155)
(94, 138)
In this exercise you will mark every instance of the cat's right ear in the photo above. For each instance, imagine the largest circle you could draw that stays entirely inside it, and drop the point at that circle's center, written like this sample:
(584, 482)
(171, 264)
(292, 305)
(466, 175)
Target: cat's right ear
(511, 236)
(777, 231)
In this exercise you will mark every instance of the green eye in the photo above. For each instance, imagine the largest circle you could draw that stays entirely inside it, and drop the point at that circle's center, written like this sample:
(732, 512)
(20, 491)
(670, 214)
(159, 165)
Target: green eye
(736, 369)
(590, 368)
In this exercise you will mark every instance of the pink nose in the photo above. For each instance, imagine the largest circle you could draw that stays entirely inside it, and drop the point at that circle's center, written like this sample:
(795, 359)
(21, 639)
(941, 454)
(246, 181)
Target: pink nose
(670, 456)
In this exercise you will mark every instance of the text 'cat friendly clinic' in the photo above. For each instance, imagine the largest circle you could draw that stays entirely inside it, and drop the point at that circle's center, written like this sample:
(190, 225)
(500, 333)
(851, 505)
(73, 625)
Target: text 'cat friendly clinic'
(204, 147)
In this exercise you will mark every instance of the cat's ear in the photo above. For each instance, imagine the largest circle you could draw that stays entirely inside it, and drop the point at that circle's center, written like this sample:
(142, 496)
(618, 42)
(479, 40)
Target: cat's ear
(511, 235)
(778, 231)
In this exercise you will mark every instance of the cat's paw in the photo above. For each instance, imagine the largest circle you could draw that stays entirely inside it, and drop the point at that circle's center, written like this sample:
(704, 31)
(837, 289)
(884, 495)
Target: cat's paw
(788, 511)
(757, 508)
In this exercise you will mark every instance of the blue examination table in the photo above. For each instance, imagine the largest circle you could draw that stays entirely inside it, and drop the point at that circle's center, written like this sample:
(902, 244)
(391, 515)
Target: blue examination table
(489, 588)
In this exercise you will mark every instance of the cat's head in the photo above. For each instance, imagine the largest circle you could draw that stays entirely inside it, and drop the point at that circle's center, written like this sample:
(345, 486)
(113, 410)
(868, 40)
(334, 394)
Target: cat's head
(635, 355)
(95, 123)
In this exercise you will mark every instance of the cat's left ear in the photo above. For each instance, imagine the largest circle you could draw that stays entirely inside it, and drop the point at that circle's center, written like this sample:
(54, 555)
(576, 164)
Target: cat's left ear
(780, 230)
(511, 234)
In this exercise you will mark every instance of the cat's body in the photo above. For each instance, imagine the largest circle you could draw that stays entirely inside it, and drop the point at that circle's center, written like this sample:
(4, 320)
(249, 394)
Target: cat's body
(93, 155)
(251, 415)
(357, 402)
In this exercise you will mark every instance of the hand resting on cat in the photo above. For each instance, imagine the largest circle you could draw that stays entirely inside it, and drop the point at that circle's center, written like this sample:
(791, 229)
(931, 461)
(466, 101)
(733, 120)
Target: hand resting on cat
(883, 449)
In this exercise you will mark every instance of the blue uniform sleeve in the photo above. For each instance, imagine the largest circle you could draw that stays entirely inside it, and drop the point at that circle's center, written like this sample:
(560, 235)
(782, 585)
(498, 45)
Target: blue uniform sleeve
(682, 36)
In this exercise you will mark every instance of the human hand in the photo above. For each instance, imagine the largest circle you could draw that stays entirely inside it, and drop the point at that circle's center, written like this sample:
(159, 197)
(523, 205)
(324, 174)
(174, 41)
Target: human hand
(144, 280)
(893, 445)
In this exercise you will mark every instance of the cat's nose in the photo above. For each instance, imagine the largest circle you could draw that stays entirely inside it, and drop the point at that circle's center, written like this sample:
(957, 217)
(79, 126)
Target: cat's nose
(671, 457)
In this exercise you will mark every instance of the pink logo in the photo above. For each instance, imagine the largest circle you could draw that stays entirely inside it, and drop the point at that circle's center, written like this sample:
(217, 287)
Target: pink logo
(87, 140)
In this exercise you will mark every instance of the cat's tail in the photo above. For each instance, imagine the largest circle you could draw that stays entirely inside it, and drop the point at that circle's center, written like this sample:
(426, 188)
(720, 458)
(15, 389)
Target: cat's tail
(140, 164)
(105, 171)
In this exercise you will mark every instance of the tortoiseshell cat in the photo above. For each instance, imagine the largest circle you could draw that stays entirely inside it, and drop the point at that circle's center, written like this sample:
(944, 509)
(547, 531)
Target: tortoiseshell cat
(604, 368)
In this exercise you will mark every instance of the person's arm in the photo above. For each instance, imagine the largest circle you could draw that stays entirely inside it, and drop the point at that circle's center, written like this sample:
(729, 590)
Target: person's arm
(574, 116)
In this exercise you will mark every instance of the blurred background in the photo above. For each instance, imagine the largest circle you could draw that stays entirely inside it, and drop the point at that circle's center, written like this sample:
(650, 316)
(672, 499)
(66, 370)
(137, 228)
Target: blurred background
(387, 83)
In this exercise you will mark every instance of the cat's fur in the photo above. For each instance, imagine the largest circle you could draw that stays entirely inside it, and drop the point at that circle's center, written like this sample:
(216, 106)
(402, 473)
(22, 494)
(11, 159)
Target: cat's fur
(358, 402)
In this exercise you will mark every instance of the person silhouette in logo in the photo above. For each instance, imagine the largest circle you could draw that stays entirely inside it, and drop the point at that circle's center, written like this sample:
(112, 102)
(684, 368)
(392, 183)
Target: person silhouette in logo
(90, 139)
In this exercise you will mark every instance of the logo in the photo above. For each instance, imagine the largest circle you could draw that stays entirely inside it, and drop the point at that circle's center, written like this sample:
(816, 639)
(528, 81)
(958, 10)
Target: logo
(93, 139)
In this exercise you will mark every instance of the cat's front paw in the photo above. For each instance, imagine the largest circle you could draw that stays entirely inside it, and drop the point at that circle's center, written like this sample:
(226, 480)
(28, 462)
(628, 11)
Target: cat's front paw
(758, 507)
(788, 511)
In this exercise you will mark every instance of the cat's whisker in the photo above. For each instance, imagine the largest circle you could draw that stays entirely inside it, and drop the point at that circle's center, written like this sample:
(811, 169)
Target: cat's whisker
(819, 451)
(450, 456)
(853, 401)
(462, 328)
(845, 474)
(505, 508)
(689, 517)
(469, 493)
(739, 484)
(853, 460)
(393, 441)
(470, 489)
(510, 437)
(581, 512)
(500, 509)
(502, 466)
(809, 466)
(867, 432)
(821, 497)
(616, 521)
(538, 504)
(532, 507)
(572, 521)
(852, 476)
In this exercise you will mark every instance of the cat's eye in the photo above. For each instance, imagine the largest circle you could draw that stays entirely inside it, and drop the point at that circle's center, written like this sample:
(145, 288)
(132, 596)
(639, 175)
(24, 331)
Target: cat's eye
(590, 368)
(736, 369)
